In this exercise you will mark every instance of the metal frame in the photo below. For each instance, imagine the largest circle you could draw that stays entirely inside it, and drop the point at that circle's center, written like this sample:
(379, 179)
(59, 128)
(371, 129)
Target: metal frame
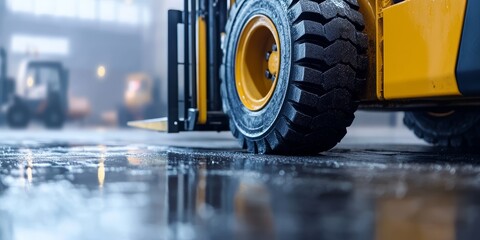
(7, 85)
(174, 18)
(3, 76)
(216, 119)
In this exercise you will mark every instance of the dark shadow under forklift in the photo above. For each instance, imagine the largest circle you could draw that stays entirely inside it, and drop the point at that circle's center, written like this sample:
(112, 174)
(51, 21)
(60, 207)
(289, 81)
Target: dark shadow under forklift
(39, 92)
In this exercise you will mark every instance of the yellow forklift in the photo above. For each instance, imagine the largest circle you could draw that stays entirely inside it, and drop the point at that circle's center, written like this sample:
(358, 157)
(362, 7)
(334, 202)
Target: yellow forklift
(286, 76)
(39, 92)
(140, 99)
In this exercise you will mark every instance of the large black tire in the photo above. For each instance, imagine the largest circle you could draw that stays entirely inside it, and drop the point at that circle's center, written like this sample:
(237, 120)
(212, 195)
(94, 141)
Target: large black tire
(323, 67)
(457, 129)
(18, 116)
(54, 117)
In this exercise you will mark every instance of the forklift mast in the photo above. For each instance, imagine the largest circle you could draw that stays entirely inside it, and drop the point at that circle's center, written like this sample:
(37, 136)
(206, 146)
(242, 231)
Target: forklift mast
(3, 65)
(200, 108)
(6, 84)
(3, 75)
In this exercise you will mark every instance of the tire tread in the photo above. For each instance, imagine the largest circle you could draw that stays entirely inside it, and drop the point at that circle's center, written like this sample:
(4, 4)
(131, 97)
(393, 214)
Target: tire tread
(459, 131)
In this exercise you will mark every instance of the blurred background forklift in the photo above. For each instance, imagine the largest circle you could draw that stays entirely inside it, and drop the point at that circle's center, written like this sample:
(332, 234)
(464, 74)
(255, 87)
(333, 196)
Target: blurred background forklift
(39, 92)
(140, 99)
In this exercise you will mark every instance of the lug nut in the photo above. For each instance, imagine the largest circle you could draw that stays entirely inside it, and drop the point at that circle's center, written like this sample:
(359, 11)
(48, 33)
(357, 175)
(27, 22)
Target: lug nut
(267, 56)
(268, 74)
(274, 47)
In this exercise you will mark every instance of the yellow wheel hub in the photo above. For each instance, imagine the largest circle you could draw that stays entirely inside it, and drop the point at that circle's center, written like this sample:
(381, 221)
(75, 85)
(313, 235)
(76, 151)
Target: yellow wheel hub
(257, 62)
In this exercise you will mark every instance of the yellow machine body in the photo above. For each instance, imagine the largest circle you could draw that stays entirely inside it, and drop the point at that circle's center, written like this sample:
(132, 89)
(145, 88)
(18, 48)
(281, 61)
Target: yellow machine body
(421, 42)
(413, 47)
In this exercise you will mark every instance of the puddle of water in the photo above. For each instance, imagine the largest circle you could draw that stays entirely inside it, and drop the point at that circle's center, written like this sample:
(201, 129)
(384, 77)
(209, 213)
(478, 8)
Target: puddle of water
(68, 191)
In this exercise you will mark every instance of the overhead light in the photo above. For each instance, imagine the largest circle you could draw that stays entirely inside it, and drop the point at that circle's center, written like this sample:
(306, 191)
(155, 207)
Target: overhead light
(30, 81)
(101, 72)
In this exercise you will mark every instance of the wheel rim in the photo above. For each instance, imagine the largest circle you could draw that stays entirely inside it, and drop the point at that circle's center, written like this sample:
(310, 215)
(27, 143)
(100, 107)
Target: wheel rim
(257, 65)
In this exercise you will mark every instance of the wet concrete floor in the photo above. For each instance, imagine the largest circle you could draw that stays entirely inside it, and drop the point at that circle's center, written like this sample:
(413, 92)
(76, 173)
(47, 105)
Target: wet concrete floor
(110, 185)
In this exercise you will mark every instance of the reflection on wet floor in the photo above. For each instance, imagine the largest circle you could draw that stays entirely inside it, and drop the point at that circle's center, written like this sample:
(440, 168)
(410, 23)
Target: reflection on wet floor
(69, 191)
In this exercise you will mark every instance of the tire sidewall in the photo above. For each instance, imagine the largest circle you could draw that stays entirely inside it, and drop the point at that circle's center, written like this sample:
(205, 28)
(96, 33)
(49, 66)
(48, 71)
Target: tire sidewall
(257, 124)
